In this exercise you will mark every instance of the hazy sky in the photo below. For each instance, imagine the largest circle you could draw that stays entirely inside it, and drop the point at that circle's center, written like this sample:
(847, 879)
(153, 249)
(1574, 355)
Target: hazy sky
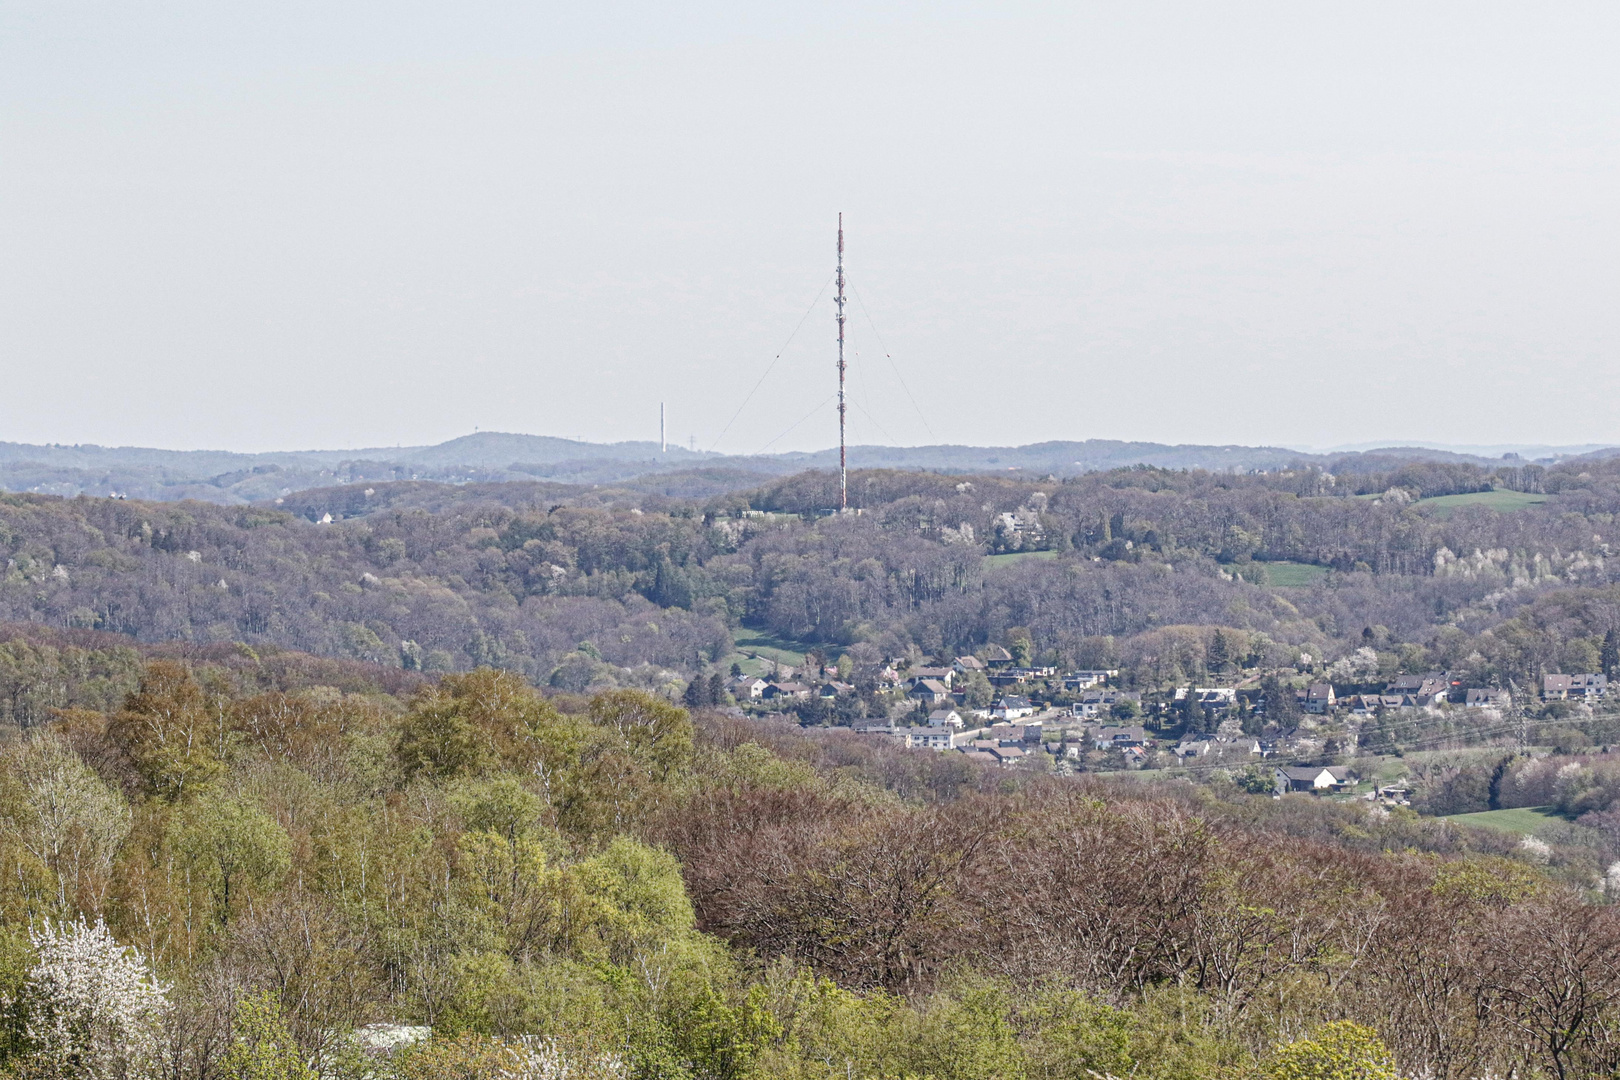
(301, 224)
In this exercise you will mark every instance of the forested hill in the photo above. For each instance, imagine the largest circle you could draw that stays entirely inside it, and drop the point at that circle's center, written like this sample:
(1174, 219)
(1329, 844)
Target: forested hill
(614, 586)
(495, 457)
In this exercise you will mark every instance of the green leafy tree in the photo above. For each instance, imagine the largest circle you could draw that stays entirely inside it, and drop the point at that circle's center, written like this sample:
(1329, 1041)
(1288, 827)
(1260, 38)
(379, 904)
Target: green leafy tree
(172, 734)
(977, 691)
(232, 847)
(1338, 1051)
(657, 734)
(1218, 654)
(1021, 646)
(697, 694)
(262, 1048)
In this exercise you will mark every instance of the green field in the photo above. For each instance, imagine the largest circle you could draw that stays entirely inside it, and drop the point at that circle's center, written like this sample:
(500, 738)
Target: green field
(1293, 575)
(1527, 819)
(769, 647)
(993, 561)
(1504, 501)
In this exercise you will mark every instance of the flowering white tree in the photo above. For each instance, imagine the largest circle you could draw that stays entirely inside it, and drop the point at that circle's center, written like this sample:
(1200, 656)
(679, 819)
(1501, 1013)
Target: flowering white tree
(92, 1009)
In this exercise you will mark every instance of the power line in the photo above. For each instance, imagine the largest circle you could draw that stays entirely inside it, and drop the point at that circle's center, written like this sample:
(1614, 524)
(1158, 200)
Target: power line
(895, 367)
(796, 423)
(772, 366)
(869, 416)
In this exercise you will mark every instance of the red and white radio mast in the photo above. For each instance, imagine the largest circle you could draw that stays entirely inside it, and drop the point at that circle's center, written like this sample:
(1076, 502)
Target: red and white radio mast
(843, 475)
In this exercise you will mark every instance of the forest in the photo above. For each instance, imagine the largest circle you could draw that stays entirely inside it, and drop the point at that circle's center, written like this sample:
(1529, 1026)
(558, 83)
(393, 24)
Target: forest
(394, 781)
(615, 587)
(285, 866)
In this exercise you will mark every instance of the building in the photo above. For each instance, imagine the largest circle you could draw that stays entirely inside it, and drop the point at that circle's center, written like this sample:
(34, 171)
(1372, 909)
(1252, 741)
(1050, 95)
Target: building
(747, 689)
(1574, 687)
(1012, 707)
(1110, 737)
(997, 657)
(1483, 698)
(1075, 681)
(789, 690)
(889, 731)
(966, 664)
(946, 675)
(945, 718)
(1319, 698)
(930, 692)
(1314, 778)
(1187, 748)
(1006, 734)
(1009, 755)
(1097, 702)
(1420, 690)
(1209, 697)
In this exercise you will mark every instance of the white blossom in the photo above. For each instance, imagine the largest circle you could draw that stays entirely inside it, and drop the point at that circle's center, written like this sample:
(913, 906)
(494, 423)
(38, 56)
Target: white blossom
(543, 1059)
(93, 1009)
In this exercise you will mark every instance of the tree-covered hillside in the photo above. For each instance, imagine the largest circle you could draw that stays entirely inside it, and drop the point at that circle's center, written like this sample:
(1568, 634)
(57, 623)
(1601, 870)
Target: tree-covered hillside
(632, 588)
(234, 869)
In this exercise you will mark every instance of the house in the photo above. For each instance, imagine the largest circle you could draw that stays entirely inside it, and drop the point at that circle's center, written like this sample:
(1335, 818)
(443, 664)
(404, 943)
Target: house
(744, 688)
(945, 718)
(899, 735)
(938, 674)
(1372, 704)
(1009, 755)
(1096, 702)
(1244, 744)
(1012, 707)
(930, 692)
(997, 657)
(1482, 698)
(831, 690)
(1209, 697)
(1085, 680)
(1312, 778)
(1006, 734)
(1187, 748)
(1420, 690)
(792, 690)
(1009, 676)
(966, 664)
(935, 738)
(1111, 737)
(1319, 698)
(1574, 687)
(984, 757)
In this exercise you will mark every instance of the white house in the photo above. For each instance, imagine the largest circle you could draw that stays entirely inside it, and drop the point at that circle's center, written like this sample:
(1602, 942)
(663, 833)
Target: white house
(745, 688)
(945, 718)
(1312, 778)
(1012, 707)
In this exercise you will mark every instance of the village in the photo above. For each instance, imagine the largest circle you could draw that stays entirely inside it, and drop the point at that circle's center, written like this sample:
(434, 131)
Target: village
(993, 710)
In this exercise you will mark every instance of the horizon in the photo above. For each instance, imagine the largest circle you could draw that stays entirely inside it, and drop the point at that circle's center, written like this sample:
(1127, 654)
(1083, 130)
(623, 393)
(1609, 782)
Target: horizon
(251, 229)
(1494, 450)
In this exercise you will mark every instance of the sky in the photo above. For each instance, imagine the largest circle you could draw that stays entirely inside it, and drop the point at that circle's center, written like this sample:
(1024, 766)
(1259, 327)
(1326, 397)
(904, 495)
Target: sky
(259, 226)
